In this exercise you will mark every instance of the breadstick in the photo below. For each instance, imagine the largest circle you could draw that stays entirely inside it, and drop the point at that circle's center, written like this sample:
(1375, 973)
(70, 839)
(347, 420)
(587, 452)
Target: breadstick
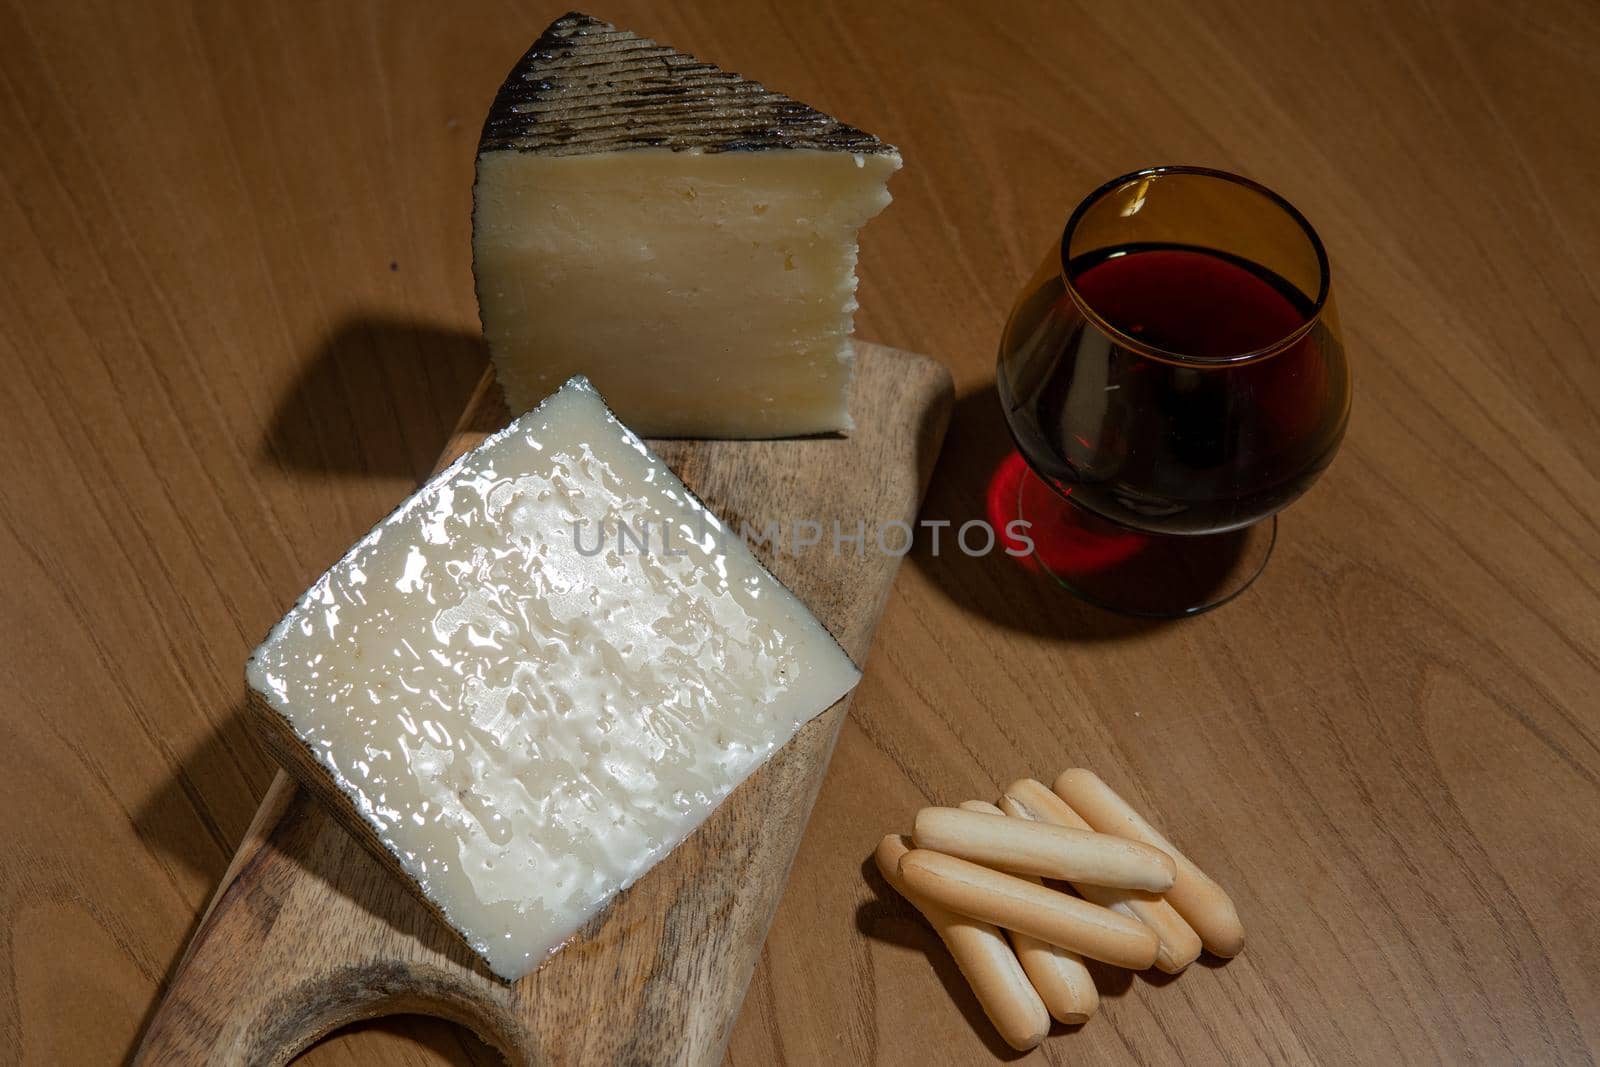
(1202, 902)
(1018, 904)
(980, 950)
(1180, 945)
(1058, 974)
(1023, 847)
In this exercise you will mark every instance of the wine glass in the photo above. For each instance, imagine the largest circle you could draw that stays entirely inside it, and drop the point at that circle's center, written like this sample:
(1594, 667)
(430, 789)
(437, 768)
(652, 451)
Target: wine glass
(1172, 376)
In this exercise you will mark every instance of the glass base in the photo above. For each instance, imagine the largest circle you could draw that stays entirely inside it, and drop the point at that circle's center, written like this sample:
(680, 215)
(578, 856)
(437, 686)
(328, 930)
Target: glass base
(1151, 576)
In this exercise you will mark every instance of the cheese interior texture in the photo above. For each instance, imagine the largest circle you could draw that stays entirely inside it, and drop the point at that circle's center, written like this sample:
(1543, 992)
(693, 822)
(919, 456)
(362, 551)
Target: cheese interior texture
(704, 294)
(527, 726)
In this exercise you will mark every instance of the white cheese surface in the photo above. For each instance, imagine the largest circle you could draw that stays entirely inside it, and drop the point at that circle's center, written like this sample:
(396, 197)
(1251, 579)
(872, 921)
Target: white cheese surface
(529, 728)
(705, 294)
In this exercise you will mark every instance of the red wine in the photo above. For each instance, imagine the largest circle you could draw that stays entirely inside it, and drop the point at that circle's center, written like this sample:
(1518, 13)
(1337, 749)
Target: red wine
(1203, 438)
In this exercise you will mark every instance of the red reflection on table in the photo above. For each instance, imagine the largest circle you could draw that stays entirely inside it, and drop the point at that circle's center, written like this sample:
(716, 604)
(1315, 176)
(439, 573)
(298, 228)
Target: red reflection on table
(1066, 540)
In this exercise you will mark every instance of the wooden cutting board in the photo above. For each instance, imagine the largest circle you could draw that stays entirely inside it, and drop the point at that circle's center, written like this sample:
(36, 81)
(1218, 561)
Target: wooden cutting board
(309, 932)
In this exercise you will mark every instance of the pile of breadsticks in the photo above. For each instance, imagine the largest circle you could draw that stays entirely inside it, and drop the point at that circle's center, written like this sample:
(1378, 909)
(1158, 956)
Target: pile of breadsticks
(975, 870)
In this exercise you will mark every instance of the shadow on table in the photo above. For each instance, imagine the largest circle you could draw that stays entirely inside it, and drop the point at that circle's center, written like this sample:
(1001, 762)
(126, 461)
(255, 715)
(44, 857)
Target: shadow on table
(996, 586)
(379, 397)
(180, 821)
(201, 811)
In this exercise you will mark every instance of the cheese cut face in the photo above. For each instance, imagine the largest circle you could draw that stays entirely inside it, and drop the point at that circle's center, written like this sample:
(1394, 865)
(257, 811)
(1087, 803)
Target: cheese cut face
(684, 237)
(529, 713)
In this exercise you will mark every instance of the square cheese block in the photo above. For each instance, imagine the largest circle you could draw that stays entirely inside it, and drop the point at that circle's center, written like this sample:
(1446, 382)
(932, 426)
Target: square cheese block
(518, 705)
(683, 236)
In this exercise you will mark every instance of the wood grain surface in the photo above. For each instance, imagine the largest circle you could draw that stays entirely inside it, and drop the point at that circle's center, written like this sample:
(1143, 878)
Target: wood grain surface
(237, 324)
(307, 932)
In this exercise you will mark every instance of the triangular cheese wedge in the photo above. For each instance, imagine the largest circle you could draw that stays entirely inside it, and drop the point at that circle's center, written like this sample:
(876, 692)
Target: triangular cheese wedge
(681, 235)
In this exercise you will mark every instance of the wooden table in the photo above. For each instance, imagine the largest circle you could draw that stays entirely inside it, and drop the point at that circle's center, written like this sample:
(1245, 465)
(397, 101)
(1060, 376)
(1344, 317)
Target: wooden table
(237, 322)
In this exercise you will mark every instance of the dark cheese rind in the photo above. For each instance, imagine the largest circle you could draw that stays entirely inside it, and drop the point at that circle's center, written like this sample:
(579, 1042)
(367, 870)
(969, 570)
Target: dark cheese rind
(586, 87)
